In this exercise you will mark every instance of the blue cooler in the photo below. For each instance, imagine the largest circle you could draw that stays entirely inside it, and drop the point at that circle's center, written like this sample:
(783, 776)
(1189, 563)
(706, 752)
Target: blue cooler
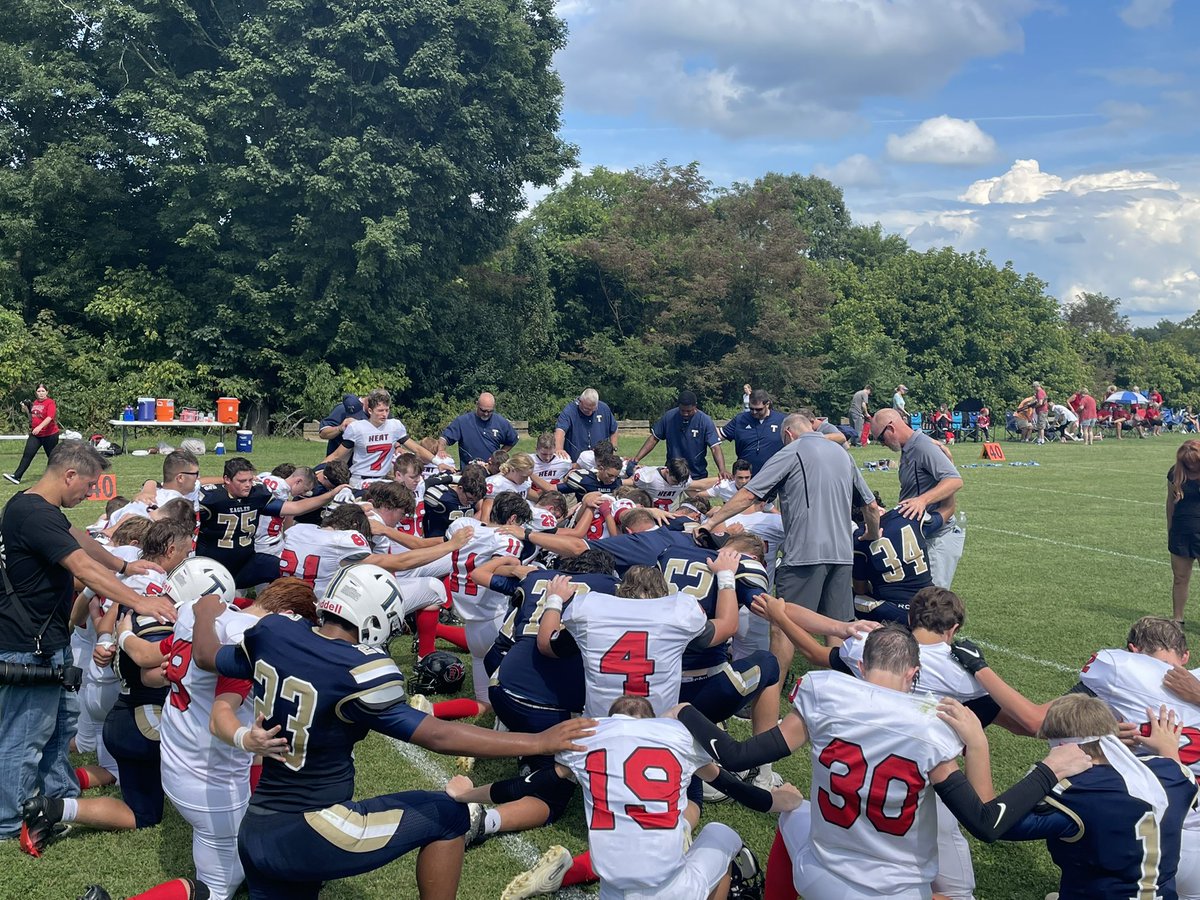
(145, 409)
(245, 441)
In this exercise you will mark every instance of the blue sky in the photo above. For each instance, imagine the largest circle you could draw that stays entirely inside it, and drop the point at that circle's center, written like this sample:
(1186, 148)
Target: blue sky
(1062, 135)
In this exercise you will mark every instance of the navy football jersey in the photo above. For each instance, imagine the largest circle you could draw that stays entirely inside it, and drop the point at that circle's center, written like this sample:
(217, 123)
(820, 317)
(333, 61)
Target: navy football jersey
(642, 548)
(133, 691)
(442, 505)
(228, 524)
(585, 481)
(686, 570)
(525, 672)
(327, 694)
(1105, 840)
(897, 564)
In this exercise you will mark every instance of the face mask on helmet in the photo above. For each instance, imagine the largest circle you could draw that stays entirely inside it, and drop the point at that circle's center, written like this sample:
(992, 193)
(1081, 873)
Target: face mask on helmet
(197, 577)
(438, 673)
(368, 598)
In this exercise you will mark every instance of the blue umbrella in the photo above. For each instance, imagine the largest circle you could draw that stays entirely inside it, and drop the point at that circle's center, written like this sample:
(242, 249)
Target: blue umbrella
(1126, 397)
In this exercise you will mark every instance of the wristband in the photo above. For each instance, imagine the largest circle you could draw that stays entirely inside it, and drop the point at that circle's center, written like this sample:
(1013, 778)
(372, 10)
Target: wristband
(124, 566)
(106, 640)
(125, 635)
(726, 581)
(555, 602)
(239, 738)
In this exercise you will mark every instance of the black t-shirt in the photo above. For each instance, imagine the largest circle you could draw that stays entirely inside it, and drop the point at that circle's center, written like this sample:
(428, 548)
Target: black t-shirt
(36, 539)
(1187, 509)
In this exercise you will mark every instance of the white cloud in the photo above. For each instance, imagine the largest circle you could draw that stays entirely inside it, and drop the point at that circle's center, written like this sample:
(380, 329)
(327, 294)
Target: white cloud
(795, 67)
(1129, 234)
(1144, 13)
(943, 141)
(858, 170)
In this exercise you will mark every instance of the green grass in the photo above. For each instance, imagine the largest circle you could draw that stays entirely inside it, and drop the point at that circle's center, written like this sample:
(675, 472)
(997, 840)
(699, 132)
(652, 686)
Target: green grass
(1059, 560)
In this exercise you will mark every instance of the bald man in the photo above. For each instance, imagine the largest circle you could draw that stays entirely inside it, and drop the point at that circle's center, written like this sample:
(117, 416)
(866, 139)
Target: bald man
(928, 482)
(479, 432)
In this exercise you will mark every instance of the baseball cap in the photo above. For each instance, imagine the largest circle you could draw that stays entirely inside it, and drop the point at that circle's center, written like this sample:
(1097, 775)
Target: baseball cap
(352, 404)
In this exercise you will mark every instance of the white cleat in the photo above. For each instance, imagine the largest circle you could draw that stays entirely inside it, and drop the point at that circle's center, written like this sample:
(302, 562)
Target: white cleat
(545, 877)
(420, 703)
(466, 763)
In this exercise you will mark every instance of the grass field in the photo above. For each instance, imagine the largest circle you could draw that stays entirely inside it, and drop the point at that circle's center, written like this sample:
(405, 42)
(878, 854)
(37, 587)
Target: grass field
(1059, 560)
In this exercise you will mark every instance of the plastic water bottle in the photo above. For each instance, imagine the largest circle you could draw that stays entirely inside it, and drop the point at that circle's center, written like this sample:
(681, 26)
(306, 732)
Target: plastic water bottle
(219, 449)
(960, 521)
(127, 415)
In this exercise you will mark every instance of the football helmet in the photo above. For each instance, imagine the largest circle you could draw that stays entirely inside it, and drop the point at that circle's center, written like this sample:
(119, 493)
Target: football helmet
(747, 882)
(195, 577)
(368, 598)
(438, 673)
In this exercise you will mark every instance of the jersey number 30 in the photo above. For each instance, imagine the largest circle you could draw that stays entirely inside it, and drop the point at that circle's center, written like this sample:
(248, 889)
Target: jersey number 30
(847, 776)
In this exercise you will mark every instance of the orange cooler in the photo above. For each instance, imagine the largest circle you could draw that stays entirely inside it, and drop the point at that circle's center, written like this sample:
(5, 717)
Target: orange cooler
(227, 410)
(164, 410)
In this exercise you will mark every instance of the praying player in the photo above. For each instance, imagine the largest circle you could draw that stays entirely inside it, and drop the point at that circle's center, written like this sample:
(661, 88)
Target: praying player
(315, 554)
(371, 442)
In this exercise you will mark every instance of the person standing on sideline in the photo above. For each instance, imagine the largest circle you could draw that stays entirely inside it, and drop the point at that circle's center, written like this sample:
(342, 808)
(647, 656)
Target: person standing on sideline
(928, 481)
(43, 431)
(1183, 521)
(1087, 416)
(689, 432)
(41, 555)
(479, 433)
(746, 392)
(898, 400)
(859, 414)
(1041, 411)
(757, 433)
(583, 424)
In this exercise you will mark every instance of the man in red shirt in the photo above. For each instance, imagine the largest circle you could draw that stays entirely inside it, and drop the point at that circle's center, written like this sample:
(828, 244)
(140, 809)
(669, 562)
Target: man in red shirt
(1086, 410)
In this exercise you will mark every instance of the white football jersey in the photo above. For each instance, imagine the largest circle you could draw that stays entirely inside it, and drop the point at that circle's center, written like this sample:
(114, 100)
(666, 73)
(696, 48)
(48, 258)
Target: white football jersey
(472, 602)
(200, 770)
(543, 519)
(269, 537)
(941, 674)
(634, 774)
(433, 468)
(632, 646)
(769, 527)
(553, 471)
(381, 543)
(316, 554)
(723, 490)
(874, 819)
(374, 449)
(662, 492)
(497, 484)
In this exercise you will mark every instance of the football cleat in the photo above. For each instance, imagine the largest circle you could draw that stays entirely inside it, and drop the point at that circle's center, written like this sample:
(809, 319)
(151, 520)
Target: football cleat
(475, 835)
(39, 816)
(747, 882)
(438, 673)
(466, 763)
(765, 778)
(95, 892)
(545, 877)
(420, 703)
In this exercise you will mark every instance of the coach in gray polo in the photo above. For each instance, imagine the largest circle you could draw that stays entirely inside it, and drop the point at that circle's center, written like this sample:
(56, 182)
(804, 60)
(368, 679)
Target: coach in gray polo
(817, 484)
(928, 481)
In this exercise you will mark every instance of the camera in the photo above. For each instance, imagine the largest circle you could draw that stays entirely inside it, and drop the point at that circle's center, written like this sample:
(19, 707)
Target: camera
(29, 674)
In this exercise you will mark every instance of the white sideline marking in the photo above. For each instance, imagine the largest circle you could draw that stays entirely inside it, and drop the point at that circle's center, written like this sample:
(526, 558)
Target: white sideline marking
(519, 848)
(1034, 537)
(1048, 663)
(1042, 490)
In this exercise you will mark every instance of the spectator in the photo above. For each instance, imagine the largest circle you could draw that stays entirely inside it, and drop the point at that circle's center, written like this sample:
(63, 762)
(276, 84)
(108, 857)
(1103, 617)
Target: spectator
(1154, 396)
(829, 431)
(859, 413)
(688, 432)
(898, 400)
(746, 392)
(582, 424)
(1154, 419)
(1041, 409)
(983, 424)
(943, 424)
(1023, 417)
(334, 425)
(42, 556)
(1087, 416)
(43, 431)
(1067, 422)
(1190, 422)
(479, 432)
(1183, 521)
(757, 433)
(928, 481)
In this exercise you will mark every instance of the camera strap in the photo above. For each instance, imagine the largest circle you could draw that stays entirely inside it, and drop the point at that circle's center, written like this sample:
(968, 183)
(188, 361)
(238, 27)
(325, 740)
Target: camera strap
(13, 597)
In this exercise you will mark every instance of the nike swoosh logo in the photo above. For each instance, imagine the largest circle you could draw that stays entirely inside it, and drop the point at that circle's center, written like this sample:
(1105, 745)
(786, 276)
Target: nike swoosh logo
(529, 778)
(1003, 809)
(712, 746)
(974, 653)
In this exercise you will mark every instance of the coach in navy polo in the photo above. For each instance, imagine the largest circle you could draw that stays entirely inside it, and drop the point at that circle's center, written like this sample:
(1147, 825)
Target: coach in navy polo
(479, 432)
(688, 433)
(757, 433)
(582, 424)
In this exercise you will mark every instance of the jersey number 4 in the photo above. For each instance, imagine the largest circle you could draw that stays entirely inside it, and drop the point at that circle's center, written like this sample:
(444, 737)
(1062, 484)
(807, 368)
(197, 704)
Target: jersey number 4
(848, 774)
(636, 773)
(629, 656)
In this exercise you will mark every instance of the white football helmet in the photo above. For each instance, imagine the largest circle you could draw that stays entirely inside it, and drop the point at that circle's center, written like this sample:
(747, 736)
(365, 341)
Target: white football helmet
(197, 576)
(368, 598)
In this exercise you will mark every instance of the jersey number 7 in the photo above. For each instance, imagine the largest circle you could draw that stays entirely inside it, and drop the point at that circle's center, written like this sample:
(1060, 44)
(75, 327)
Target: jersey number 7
(629, 656)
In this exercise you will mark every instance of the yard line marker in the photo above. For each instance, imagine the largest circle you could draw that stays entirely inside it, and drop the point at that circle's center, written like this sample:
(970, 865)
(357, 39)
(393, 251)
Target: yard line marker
(1048, 663)
(1034, 537)
(518, 847)
(1042, 490)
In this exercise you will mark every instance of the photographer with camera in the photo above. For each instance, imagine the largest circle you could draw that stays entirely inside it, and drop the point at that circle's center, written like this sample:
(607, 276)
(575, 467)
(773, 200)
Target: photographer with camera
(41, 555)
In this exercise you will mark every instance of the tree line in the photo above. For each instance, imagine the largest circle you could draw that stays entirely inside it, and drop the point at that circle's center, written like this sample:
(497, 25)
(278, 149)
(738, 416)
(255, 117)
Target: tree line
(281, 202)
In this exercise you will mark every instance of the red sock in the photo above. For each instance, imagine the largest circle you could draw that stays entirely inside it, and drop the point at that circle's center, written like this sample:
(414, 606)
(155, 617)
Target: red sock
(81, 775)
(427, 623)
(581, 871)
(456, 709)
(779, 884)
(455, 634)
(179, 889)
(255, 775)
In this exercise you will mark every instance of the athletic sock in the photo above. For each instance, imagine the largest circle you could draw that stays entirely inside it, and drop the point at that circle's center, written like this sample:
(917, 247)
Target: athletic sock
(581, 871)
(779, 884)
(427, 623)
(70, 809)
(255, 775)
(457, 709)
(179, 889)
(491, 821)
(455, 634)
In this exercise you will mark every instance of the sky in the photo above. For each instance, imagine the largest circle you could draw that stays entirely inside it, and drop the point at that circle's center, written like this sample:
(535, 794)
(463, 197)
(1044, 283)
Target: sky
(1063, 135)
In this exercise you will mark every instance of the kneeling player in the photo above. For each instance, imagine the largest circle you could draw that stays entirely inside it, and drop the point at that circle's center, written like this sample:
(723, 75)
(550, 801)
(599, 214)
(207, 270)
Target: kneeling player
(326, 688)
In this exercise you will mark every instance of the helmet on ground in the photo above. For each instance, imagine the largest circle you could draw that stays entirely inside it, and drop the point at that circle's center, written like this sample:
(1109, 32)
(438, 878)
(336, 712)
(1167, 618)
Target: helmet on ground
(198, 576)
(368, 598)
(438, 673)
(747, 881)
